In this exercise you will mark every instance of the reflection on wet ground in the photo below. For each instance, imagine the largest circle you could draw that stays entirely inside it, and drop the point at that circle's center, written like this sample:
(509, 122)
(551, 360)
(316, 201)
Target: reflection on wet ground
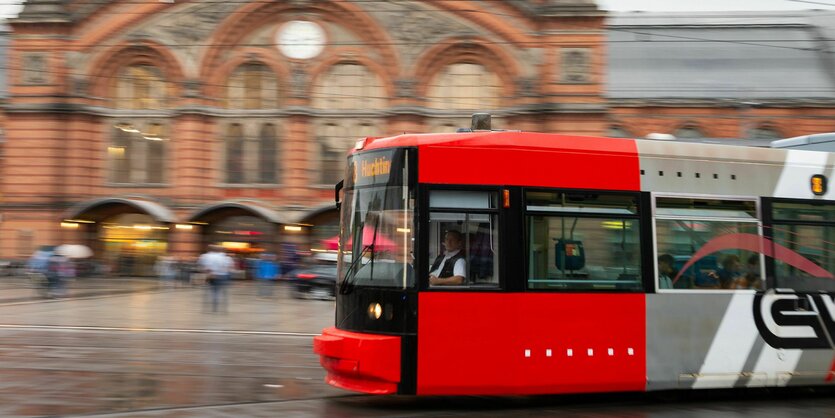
(705, 405)
(60, 373)
(158, 353)
(150, 347)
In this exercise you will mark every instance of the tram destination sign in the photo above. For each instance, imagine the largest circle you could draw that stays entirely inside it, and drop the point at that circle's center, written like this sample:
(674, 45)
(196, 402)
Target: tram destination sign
(376, 168)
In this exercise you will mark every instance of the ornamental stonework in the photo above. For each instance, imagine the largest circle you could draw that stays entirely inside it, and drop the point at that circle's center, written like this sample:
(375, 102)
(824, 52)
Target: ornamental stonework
(576, 65)
(33, 69)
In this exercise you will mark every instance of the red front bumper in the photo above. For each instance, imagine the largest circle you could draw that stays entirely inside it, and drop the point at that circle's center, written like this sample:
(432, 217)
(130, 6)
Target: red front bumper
(366, 363)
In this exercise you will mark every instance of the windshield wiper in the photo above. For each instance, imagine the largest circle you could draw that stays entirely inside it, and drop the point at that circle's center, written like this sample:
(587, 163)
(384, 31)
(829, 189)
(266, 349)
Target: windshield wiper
(347, 285)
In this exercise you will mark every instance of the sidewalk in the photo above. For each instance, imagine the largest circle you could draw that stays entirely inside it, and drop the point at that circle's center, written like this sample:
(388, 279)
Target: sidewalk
(21, 289)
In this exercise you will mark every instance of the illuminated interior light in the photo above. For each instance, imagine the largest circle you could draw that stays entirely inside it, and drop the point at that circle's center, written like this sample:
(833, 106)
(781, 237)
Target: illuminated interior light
(235, 245)
(404, 230)
(185, 227)
(80, 221)
(142, 227)
(292, 228)
(616, 225)
(69, 225)
(116, 151)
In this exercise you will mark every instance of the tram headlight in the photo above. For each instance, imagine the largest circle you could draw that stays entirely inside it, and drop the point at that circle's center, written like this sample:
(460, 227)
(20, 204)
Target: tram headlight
(375, 311)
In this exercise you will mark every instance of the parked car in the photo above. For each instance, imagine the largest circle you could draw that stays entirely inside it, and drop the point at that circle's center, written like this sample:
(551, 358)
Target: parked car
(315, 282)
(12, 267)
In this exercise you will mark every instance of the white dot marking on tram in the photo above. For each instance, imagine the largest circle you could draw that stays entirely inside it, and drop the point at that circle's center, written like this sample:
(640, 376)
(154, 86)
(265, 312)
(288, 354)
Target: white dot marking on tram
(590, 352)
(611, 351)
(569, 352)
(527, 353)
(630, 351)
(548, 352)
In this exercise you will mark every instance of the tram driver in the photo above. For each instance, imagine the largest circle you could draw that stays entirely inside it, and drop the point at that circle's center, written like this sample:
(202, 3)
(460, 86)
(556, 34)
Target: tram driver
(449, 268)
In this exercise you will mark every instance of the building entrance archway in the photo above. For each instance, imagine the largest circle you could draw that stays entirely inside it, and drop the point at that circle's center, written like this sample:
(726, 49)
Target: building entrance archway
(126, 235)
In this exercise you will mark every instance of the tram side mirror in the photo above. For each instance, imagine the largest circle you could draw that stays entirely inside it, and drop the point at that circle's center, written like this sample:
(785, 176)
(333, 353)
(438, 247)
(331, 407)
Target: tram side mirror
(336, 190)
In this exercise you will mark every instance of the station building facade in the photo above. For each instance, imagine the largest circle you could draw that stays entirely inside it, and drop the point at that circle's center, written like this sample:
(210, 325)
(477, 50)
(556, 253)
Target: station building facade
(149, 128)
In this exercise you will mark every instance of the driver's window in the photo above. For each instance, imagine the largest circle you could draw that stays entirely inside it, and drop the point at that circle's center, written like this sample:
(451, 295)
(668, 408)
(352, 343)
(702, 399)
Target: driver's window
(463, 239)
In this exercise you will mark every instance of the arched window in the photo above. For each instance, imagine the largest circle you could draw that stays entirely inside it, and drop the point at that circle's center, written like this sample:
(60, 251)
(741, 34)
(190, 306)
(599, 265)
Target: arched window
(252, 86)
(332, 147)
(234, 154)
(118, 153)
(618, 132)
(140, 87)
(689, 132)
(344, 88)
(267, 154)
(764, 133)
(155, 137)
(349, 86)
(137, 148)
(465, 87)
(137, 152)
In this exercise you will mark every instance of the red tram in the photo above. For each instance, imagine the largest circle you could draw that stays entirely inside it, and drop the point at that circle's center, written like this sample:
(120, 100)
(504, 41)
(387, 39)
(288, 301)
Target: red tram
(592, 265)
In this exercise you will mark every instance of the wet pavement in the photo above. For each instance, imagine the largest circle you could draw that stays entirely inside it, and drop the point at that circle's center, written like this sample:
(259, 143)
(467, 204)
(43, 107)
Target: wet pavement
(21, 288)
(134, 345)
(138, 349)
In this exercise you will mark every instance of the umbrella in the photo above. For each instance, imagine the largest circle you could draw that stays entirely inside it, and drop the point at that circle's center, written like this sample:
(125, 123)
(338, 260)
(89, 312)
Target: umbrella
(382, 243)
(74, 251)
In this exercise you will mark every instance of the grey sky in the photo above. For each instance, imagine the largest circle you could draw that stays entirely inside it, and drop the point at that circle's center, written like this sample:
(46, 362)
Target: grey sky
(8, 9)
(714, 5)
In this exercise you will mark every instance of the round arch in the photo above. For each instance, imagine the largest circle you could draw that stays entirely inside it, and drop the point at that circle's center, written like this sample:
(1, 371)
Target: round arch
(324, 226)
(126, 234)
(690, 130)
(216, 83)
(98, 210)
(351, 56)
(215, 211)
(470, 51)
(258, 14)
(242, 227)
(109, 62)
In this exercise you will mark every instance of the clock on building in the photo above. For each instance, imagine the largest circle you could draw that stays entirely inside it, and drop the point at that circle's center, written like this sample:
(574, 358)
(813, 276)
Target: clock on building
(300, 39)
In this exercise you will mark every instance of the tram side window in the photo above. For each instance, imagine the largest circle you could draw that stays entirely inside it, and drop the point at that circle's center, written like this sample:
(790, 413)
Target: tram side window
(463, 239)
(808, 231)
(686, 227)
(583, 241)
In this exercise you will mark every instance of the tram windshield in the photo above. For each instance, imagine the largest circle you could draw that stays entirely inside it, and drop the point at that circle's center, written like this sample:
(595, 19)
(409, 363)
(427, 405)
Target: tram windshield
(376, 236)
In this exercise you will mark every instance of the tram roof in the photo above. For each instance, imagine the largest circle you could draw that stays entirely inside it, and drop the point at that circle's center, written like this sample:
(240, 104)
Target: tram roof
(539, 140)
(549, 142)
(501, 139)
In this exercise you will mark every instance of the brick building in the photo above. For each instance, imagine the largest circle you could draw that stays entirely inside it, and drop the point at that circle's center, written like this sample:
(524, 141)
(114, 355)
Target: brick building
(143, 128)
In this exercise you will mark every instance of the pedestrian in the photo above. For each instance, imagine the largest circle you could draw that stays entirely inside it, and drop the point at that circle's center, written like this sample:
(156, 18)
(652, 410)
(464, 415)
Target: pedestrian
(267, 271)
(38, 269)
(58, 269)
(217, 266)
(166, 270)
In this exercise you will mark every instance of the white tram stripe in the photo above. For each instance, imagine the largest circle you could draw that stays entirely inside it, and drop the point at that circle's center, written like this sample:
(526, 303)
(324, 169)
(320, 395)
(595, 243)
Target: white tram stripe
(731, 345)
